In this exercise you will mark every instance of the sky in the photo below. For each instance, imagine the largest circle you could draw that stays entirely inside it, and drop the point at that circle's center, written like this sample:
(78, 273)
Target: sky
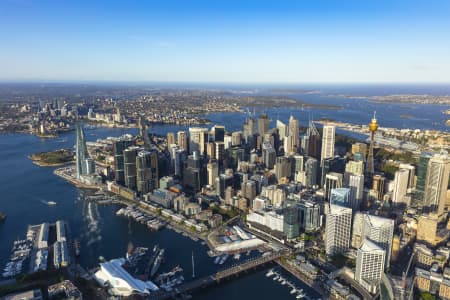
(309, 41)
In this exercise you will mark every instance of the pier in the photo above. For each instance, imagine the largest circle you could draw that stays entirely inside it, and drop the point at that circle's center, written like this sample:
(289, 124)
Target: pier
(216, 278)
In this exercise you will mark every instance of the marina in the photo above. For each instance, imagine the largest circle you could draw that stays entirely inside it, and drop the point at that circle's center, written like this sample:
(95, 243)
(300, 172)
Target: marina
(294, 290)
(151, 222)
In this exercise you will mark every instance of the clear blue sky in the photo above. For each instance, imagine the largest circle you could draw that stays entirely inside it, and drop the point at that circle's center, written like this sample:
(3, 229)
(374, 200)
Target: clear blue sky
(226, 41)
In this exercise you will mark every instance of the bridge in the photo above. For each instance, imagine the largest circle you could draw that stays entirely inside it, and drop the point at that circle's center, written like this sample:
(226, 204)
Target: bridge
(206, 281)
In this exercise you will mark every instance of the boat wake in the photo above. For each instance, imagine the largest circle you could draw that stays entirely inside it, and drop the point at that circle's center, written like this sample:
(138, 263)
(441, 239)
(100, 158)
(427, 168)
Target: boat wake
(93, 220)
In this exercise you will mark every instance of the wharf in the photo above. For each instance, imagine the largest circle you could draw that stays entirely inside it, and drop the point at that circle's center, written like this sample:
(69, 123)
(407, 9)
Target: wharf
(216, 278)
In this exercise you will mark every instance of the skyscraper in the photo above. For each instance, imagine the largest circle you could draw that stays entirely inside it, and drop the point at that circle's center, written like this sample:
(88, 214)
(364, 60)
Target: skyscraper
(337, 229)
(213, 172)
(332, 181)
(130, 173)
(355, 167)
(263, 124)
(269, 155)
(170, 138)
(294, 134)
(309, 215)
(249, 128)
(356, 185)
(119, 146)
(340, 196)
(313, 142)
(378, 185)
(421, 176)
(147, 171)
(182, 140)
(291, 224)
(311, 170)
(282, 129)
(380, 231)
(328, 139)
(401, 180)
(194, 173)
(369, 265)
(219, 133)
(283, 167)
(197, 139)
(81, 151)
(361, 149)
(437, 181)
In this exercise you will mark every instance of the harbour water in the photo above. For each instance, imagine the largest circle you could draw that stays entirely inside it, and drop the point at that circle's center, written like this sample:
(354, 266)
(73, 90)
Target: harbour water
(26, 188)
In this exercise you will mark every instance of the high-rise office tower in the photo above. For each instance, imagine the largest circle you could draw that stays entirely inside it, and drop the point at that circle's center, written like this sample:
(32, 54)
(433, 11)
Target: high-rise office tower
(147, 171)
(283, 167)
(377, 229)
(197, 139)
(369, 265)
(436, 182)
(236, 138)
(220, 152)
(213, 172)
(298, 163)
(332, 181)
(312, 146)
(340, 196)
(263, 124)
(291, 223)
(182, 140)
(335, 164)
(311, 170)
(223, 182)
(282, 129)
(421, 176)
(170, 138)
(411, 174)
(328, 139)
(378, 183)
(118, 147)
(373, 127)
(380, 231)
(210, 151)
(143, 133)
(309, 215)
(401, 181)
(337, 229)
(130, 172)
(194, 173)
(81, 151)
(219, 133)
(294, 134)
(249, 128)
(179, 156)
(360, 149)
(269, 155)
(355, 167)
(356, 185)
